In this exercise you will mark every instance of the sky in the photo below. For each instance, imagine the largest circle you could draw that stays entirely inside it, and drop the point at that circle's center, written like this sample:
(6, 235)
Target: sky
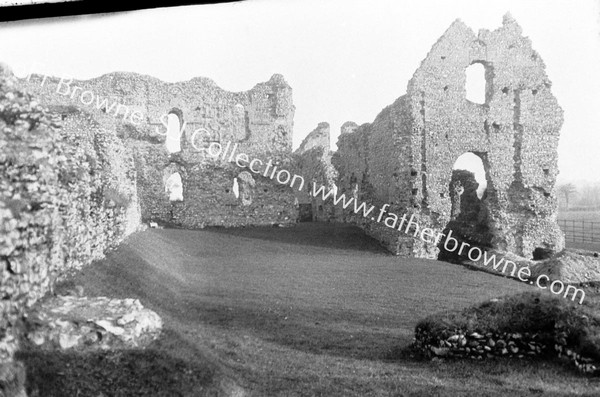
(344, 59)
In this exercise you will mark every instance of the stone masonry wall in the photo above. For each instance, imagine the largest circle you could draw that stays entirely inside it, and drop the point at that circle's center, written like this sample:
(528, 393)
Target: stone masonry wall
(257, 122)
(515, 132)
(414, 143)
(67, 194)
(313, 163)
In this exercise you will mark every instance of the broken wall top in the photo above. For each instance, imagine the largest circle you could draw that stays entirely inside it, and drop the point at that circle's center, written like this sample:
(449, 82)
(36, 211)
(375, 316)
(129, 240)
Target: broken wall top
(260, 119)
(319, 137)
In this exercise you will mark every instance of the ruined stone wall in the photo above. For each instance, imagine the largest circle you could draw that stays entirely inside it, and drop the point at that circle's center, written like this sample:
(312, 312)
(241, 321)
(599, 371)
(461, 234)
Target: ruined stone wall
(350, 161)
(257, 122)
(389, 155)
(313, 163)
(374, 165)
(515, 132)
(67, 194)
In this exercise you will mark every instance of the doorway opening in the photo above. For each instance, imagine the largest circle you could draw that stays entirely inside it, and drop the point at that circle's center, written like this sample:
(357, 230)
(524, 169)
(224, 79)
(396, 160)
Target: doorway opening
(469, 206)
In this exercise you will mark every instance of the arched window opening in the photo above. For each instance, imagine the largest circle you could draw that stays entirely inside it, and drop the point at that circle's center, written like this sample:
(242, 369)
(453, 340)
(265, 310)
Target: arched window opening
(173, 141)
(246, 187)
(236, 188)
(174, 187)
(476, 83)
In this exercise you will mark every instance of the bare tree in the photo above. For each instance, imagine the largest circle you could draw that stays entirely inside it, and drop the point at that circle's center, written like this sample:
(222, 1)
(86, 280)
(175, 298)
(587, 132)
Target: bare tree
(567, 190)
(589, 196)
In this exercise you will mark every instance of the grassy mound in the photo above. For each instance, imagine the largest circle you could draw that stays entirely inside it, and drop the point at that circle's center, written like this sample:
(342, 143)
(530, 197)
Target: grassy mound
(527, 324)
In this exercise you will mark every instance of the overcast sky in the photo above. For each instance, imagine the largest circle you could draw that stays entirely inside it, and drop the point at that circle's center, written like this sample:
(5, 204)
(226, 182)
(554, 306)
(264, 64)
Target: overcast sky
(344, 59)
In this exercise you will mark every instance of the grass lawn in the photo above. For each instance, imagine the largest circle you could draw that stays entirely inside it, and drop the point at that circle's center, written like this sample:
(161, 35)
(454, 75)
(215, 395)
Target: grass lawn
(312, 310)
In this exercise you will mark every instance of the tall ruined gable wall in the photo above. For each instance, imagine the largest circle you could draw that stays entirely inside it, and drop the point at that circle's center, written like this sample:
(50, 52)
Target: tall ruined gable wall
(411, 147)
(515, 132)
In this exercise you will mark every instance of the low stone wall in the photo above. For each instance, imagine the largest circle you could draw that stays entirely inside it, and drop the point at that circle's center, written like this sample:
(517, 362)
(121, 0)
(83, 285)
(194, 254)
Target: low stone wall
(463, 344)
(542, 326)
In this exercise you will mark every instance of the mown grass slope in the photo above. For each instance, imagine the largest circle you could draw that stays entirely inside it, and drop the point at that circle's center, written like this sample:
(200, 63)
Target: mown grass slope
(313, 310)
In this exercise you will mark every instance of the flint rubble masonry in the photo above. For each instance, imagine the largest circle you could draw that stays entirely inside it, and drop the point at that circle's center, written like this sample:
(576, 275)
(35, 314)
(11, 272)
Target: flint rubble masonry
(87, 98)
(406, 155)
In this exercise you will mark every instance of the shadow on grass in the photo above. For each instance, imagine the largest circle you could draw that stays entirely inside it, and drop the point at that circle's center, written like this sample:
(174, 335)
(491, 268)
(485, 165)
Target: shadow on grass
(309, 330)
(150, 372)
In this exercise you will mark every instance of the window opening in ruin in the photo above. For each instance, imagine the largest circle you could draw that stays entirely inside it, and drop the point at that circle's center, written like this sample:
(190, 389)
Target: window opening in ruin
(174, 187)
(173, 141)
(246, 185)
(476, 83)
(236, 188)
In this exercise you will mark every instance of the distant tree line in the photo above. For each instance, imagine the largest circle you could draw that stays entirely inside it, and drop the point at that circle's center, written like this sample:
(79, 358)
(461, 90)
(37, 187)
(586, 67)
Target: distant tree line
(579, 198)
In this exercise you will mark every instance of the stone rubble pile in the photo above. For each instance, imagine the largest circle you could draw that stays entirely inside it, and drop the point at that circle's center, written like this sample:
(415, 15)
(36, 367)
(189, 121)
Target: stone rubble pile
(82, 323)
(480, 345)
(584, 364)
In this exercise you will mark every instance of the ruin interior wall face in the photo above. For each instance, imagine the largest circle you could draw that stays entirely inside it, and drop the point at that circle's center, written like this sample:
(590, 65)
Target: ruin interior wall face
(312, 161)
(350, 161)
(67, 193)
(259, 121)
(414, 143)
